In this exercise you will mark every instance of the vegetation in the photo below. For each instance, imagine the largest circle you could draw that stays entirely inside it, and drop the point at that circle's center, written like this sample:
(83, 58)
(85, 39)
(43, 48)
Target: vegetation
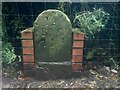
(91, 22)
(10, 61)
(8, 55)
(65, 6)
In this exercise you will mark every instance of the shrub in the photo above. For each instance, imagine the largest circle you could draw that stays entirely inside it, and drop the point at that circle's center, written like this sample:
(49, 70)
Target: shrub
(8, 56)
(91, 22)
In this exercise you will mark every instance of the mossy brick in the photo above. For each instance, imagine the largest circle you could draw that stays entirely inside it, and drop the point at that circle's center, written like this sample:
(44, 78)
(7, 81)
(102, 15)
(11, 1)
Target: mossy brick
(27, 33)
(28, 66)
(76, 67)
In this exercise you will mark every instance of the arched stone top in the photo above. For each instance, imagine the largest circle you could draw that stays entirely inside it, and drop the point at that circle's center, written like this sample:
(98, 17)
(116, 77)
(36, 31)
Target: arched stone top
(52, 36)
(55, 13)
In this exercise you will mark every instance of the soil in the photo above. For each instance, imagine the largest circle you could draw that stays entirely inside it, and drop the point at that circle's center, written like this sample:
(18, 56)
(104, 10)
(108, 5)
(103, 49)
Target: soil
(103, 77)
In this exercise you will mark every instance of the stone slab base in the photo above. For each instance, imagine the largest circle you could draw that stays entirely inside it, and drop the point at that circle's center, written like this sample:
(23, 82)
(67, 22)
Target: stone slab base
(53, 70)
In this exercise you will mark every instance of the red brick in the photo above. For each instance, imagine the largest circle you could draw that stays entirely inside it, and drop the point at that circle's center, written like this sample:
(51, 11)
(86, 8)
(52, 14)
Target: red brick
(77, 52)
(28, 51)
(78, 44)
(28, 66)
(76, 67)
(27, 43)
(27, 35)
(28, 58)
(77, 58)
(78, 36)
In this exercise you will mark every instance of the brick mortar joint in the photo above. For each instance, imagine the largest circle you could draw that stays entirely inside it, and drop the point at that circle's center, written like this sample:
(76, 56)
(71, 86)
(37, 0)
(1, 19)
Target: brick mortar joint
(29, 37)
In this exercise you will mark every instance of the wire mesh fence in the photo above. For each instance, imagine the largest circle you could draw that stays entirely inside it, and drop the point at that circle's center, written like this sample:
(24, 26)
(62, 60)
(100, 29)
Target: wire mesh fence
(103, 49)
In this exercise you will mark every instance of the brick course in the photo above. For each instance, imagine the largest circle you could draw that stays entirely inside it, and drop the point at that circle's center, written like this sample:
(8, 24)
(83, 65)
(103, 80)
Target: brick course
(77, 52)
(28, 53)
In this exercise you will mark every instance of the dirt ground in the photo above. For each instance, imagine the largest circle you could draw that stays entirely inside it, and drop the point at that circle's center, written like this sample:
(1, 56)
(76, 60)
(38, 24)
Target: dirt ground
(103, 77)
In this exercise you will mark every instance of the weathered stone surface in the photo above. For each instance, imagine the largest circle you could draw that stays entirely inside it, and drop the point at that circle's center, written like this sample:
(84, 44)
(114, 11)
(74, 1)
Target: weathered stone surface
(52, 37)
(53, 70)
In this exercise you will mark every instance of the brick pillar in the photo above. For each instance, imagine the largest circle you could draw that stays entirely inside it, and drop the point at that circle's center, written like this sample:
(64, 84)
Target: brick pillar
(28, 52)
(77, 52)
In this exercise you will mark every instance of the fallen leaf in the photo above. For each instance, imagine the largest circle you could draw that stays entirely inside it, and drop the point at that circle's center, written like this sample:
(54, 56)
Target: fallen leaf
(114, 71)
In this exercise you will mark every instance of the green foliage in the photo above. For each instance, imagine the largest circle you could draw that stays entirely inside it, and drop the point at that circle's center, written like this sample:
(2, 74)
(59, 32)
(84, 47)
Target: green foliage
(64, 6)
(90, 54)
(9, 20)
(91, 22)
(15, 22)
(8, 56)
(76, 30)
